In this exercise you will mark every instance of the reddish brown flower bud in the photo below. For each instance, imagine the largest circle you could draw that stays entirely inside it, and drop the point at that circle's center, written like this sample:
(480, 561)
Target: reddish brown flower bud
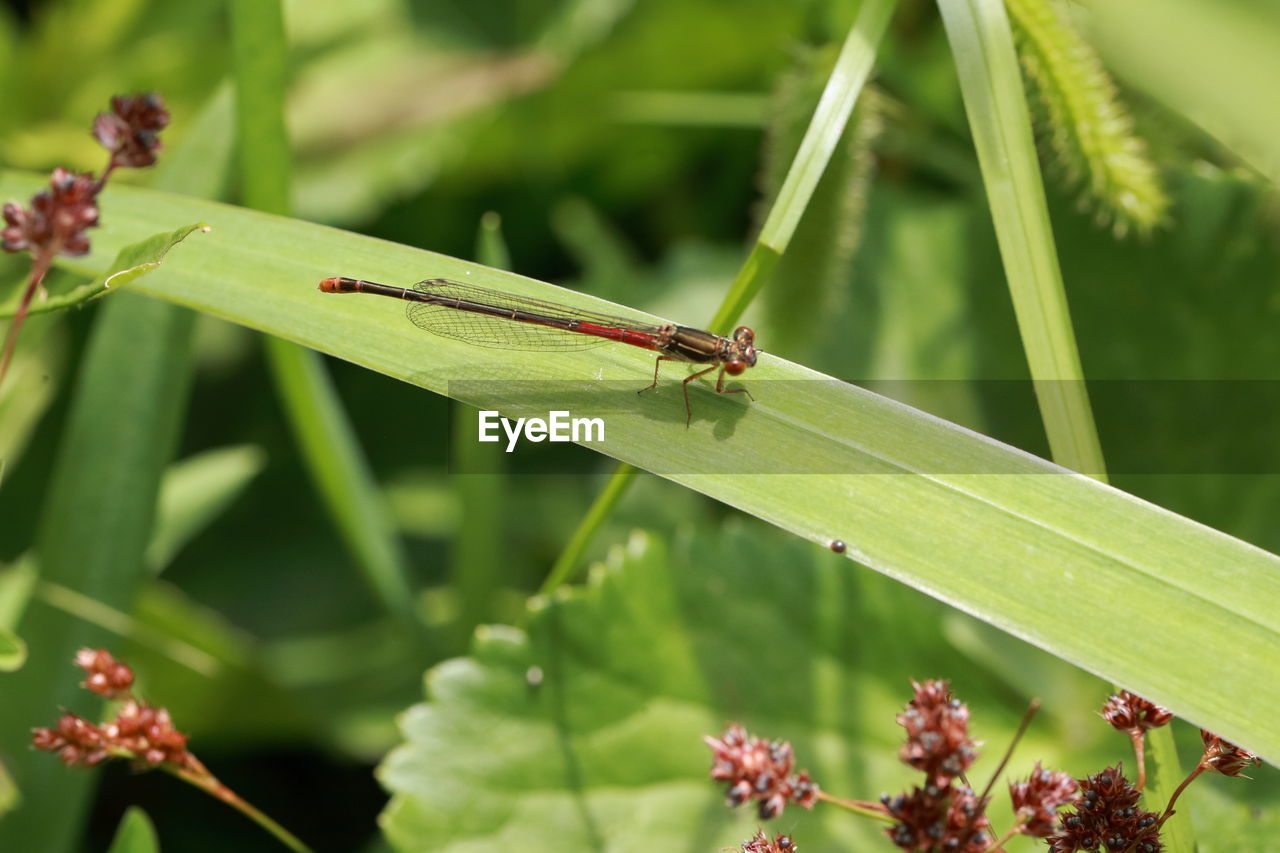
(148, 733)
(130, 131)
(138, 731)
(938, 741)
(1037, 800)
(106, 676)
(1129, 712)
(57, 218)
(1225, 757)
(76, 740)
(759, 770)
(1107, 817)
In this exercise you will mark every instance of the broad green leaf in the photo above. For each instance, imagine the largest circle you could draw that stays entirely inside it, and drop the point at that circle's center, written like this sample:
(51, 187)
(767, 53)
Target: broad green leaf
(1023, 544)
(135, 834)
(195, 491)
(591, 724)
(585, 733)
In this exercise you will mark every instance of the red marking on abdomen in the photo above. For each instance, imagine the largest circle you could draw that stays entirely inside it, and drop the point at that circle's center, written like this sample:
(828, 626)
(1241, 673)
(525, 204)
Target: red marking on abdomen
(626, 336)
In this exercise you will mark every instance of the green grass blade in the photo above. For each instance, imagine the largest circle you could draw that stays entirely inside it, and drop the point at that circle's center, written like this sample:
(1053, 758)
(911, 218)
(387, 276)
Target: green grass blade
(324, 434)
(847, 79)
(195, 491)
(852, 68)
(258, 64)
(1040, 552)
(991, 83)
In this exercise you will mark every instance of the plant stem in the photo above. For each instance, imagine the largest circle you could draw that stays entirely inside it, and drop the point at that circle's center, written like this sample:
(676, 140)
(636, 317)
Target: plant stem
(1168, 810)
(1004, 839)
(1140, 755)
(600, 510)
(39, 266)
(200, 777)
(1008, 753)
(866, 808)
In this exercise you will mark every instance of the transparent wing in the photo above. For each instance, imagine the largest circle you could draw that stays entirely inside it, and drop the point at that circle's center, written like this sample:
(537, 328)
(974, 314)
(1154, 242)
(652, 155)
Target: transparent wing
(453, 314)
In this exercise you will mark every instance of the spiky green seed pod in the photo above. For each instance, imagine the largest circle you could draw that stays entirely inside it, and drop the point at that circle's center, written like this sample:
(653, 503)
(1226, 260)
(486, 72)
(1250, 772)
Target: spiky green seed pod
(1084, 124)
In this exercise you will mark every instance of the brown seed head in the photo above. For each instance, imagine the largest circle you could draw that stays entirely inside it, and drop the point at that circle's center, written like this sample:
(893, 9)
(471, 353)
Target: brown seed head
(105, 675)
(939, 818)
(938, 741)
(57, 218)
(1129, 712)
(1037, 800)
(1107, 818)
(759, 770)
(1224, 757)
(76, 741)
(131, 130)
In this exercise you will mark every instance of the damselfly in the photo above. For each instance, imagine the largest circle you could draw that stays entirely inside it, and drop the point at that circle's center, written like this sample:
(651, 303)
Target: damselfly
(493, 319)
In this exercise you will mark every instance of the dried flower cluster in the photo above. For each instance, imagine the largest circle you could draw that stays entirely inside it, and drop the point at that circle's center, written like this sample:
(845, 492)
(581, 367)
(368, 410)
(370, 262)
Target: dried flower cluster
(1107, 817)
(131, 130)
(1128, 712)
(762, 844)
(1135, 716)
(760, 770)
(943, 814)
(1037, 800)
(57, 218)
(938, 741)
(56, 221)
(1223, 757)
(104, 675)
(139, 732)
(950, 818)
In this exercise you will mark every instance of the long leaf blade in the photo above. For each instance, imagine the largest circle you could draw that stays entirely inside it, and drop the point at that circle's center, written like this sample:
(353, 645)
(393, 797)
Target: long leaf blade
(1094, 575)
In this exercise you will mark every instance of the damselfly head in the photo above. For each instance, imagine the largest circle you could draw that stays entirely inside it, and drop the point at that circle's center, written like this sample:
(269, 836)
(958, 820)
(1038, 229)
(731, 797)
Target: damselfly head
(744, 351)
(338, 284)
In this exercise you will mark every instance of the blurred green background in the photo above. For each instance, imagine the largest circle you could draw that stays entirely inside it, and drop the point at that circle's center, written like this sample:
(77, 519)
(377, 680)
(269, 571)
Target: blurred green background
(628, 149)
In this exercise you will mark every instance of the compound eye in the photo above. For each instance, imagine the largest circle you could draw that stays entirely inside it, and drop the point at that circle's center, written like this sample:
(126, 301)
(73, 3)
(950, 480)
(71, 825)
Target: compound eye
(734, 368)
(743, 334)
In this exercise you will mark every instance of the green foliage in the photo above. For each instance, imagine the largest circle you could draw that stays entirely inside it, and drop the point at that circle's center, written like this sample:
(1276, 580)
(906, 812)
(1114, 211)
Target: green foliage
(835, 447)
(1087, 128)
(135, 834)
(620, 144)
